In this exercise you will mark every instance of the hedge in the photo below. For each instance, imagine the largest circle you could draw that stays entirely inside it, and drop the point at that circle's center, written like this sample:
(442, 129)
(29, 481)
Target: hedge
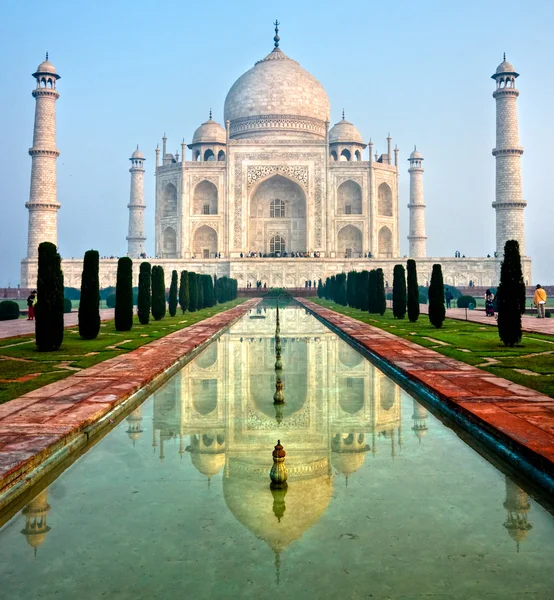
(9, 310)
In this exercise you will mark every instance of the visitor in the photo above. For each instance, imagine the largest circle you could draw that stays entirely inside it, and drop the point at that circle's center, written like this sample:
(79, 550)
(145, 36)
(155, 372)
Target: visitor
(241, 255)
(539, 300)
(31, 301)
(448, 297)
(489, 304)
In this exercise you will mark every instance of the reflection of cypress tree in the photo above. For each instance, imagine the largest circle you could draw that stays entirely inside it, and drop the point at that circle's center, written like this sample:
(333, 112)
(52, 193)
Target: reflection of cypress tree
(413, 292)
(381, 297)
(184, 291)
(399, 292)
(511, 295)
(437, 310)
(144, 299)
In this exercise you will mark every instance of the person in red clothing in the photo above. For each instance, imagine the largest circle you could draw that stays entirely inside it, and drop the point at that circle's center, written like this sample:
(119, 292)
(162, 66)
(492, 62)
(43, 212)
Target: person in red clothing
(31, 306)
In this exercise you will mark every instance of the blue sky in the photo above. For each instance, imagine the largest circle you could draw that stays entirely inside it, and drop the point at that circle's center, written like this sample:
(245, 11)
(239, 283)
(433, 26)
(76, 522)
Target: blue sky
(132, 71)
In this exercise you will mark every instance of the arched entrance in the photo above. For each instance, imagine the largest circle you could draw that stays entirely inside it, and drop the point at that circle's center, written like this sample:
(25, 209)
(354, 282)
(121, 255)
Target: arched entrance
(385, 242)
(277, 210)
(169, 243)
(205, 242)
(349, 242)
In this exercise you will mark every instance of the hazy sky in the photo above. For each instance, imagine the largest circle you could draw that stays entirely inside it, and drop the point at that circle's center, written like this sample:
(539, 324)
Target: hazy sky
(134, 70)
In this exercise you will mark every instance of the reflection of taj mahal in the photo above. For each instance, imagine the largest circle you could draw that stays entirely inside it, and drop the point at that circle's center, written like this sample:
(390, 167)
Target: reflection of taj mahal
(276, 181)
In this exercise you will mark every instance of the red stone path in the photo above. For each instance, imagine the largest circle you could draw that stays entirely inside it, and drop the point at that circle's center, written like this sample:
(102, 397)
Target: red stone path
(529, 323)
(520, 418)
(34, 426)
(23, 327)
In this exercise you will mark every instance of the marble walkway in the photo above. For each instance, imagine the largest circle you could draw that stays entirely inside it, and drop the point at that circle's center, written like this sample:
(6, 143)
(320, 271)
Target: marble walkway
(520, 418)
(23, 327)
(529, 323)
(36, 425)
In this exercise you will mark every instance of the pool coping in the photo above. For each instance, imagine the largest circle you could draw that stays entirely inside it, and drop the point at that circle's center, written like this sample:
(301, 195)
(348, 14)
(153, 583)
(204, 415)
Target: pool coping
(42, 428)
(513, 421)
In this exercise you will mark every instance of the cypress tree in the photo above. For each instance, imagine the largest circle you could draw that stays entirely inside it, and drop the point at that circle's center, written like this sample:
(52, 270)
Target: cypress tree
(158, 293)
(511, 295)
(413, 292)
(89, 305)
(184, 291)
(351, 288)
(173, 291)
(193, 292)
(200, 291)
(319, 289)
(399, 292)
(327, 294)
(144, 299)
(124, 295)
(215, 290)
(372, 292)
(362, 290)
(341, 292)
(437, 310)
(333, 286)
(380, 295)
(211, 290)
(49, 307)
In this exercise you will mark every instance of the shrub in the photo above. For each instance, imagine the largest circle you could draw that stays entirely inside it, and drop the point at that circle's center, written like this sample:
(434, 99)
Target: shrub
(381, 299)
(173, 294)
(423, 294)
(144, 299)
(67, 306)
(466, 302)
(89, 305)
(49, 307)
(399, 292)
(511, 295)
(413, 292)
(184, 291)
(193, 291)
(437, 309)
(124, 295)
(72, 293)
(9, 310)
(158, 293)
(110, 301)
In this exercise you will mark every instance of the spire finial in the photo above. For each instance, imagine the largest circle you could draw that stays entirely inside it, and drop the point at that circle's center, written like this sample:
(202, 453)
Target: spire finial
(46, 55)
(343, 114)
(504, 55)
(210, 114)
(276, 38)
(137, 146)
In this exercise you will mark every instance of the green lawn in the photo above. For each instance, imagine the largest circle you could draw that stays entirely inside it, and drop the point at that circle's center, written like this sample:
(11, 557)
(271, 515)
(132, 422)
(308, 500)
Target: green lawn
(472, 343)
(23, 368)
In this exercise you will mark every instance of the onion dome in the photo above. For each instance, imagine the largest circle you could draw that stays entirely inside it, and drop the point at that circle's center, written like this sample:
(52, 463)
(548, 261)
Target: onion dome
(416, 155)
(137, 154)
(46, 68)
(505, 68)
(344, 132)
(210, 132)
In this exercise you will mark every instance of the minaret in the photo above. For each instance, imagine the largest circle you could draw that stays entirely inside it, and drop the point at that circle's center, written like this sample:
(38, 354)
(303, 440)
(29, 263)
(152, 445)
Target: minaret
(136, 206)
(416, 237)
(508, 202)
(43, 205)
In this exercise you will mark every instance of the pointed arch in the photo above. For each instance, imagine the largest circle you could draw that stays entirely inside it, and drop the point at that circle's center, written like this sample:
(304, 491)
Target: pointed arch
(169, 201)
(384, 200)
(349, 242)
(205, 242)
(385, 242)
(345, 155)
(169, 243)
(205, 198)
(349, 198)
(221, 155)
(334, 156)
(209, 155)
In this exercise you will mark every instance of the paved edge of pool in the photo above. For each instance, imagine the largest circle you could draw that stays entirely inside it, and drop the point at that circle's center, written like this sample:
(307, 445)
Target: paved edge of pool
(40, 429)
(515, 421)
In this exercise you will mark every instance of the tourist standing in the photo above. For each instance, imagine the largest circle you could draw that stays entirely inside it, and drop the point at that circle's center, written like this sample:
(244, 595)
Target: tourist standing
(31, 300)
(539, 300)
(489, 304)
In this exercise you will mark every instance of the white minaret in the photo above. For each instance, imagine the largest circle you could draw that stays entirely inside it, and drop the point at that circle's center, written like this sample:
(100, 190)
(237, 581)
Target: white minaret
(508, 203)
(417, 237)
(43, 204)
(136, 206)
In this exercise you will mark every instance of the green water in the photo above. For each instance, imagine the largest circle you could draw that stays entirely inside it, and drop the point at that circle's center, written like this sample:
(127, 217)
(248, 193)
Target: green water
(383, 501)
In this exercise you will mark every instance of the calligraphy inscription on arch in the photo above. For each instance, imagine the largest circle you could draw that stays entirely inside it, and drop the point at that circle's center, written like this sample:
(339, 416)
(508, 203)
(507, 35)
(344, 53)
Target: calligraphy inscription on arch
(255, 173)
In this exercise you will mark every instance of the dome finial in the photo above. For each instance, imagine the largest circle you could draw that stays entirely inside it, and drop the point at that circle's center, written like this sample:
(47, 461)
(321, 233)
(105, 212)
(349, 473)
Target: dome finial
(504, 56)
(47, 55)
(210, 114)
(343, 114)
(276, 38)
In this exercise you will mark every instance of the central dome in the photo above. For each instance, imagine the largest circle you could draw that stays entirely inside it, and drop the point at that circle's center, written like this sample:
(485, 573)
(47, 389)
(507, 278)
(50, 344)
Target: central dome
(277, 97)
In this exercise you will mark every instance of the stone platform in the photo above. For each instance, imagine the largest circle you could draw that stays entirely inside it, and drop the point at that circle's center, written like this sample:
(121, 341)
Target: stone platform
(60, 418)
(513, 420)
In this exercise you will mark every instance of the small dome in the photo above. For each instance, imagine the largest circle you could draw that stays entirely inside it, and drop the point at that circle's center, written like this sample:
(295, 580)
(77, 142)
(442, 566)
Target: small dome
(416, 155)
(210, 132)
(137, 154)
(344, 131)
(505, 67)
(46, 67)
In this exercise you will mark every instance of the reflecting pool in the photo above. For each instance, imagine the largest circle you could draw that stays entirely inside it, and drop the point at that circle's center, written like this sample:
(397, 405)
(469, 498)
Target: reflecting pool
(383, 500)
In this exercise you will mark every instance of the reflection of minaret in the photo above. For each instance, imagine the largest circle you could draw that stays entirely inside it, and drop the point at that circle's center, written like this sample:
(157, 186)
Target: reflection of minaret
(207, 453)
(517, 507)
(35, 513)
(420, 421)
(135, 425)
(348, 453)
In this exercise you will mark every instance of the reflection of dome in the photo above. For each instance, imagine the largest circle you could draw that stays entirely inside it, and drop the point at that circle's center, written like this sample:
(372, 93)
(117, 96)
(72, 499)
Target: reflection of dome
(35, 513)
(208, 464)
(344, 131)
(207, 453)
(517, 506)
(348, 452)
(209, 132)
(252, 503)
(347, 462)
(134, 421)
(277, 95)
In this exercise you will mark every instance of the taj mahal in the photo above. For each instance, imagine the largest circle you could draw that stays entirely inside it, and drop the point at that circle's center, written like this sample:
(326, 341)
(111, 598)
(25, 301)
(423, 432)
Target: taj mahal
(277, 194)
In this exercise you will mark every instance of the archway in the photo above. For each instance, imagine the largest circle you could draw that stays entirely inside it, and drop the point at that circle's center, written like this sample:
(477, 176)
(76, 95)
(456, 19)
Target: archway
(384, 200)
(277, 208)
(205, 199)
(205, 242)
(385, 242)
(221, 155)
(169, 243)
(349, 198)
(349, 242)
(209, 155)
(345, 155)
(169, 201)
(333, 156)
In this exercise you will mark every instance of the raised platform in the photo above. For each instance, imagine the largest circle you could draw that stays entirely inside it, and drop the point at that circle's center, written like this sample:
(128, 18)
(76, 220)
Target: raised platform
(289, 272)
